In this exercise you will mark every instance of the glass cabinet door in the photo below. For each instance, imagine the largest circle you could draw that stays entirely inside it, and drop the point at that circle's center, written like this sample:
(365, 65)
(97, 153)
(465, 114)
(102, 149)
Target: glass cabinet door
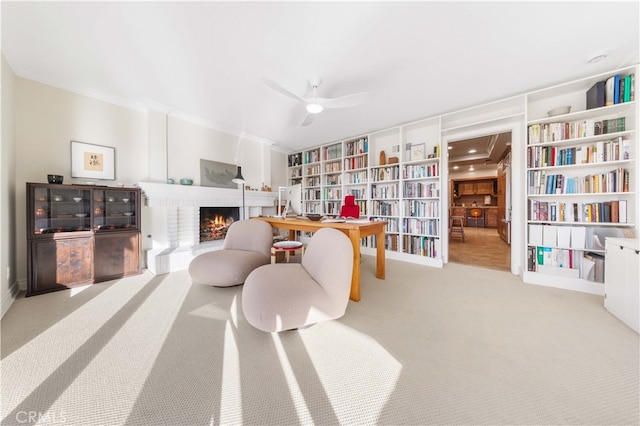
(115, 209)
(60, 209)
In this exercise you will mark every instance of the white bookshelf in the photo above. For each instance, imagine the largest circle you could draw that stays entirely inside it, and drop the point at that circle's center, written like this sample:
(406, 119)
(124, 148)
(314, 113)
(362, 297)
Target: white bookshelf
(421, 188)
(356, 171)
(580, 182)
(409, 201)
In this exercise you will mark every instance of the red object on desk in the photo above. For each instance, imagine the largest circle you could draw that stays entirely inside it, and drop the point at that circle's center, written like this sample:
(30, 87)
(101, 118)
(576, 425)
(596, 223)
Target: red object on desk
(349, 209)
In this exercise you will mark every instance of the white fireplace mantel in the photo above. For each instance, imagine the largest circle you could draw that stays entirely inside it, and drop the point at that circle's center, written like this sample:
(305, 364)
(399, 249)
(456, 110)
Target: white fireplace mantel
(174, 219)
(165, 195)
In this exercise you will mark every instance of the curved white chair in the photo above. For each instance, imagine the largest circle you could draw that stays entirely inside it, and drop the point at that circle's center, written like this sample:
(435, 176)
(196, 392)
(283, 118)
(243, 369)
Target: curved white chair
(246, 246)
(285, 296)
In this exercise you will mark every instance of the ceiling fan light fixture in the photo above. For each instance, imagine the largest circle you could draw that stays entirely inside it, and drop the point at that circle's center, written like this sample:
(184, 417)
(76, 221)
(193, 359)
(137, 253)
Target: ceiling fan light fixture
(314, 108)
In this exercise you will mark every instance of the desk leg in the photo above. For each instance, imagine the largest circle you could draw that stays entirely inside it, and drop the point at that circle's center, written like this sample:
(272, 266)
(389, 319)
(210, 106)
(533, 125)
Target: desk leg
(380, 256)
(354, 236)
(292, 235)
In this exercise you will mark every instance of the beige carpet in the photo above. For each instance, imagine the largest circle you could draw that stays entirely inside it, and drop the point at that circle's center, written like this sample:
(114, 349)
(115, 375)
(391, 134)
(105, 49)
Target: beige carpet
(458, 345)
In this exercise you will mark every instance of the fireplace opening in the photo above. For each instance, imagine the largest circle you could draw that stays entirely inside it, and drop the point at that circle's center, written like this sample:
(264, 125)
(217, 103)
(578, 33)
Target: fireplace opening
(214, 222)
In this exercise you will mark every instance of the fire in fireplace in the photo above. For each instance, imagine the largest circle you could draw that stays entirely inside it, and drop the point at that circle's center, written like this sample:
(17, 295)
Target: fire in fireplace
(214, 222)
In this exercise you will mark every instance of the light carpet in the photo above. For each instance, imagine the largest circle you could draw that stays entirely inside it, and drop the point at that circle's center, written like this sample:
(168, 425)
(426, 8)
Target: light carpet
(457, 345)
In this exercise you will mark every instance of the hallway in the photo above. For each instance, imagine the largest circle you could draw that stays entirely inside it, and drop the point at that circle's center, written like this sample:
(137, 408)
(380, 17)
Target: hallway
(483, 247)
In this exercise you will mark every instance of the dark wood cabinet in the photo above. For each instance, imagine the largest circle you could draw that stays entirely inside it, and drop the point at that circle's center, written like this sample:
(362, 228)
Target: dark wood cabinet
(491, 217)
(81, 234)
(116, 255)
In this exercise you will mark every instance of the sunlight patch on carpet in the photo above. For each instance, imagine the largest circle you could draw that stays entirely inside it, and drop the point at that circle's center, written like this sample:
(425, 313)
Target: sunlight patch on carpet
(348, 380)
(297, 397)
(231, 395)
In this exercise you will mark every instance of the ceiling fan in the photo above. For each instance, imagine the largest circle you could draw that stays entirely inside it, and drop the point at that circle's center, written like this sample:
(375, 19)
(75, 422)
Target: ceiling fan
(316, 105)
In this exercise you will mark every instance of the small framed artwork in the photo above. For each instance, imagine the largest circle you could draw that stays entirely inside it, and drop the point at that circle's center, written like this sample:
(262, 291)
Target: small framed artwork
(92, 161)
(417, 151)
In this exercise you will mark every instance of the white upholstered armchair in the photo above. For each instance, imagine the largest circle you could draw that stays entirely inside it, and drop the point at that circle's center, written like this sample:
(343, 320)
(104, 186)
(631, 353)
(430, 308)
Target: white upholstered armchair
(285, 296)
(246, 246)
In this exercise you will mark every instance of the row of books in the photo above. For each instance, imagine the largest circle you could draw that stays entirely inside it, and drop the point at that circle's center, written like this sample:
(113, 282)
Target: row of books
(357, 177)
(312, 181)
(332, 180)
(386, 173)
(614, 211)
(385, 208)
(332, 152)
(417, 208)
(560, 131)
(359, 146)
(312, 194)
(312, 156)
(600, 152)
(421, 227)
(358, 193)
(313, 170)
(613, 181)
(354, 163)
(332, 207)
(421, 190)
(384, 191)
(567, 263)
(333, 167)
(333, 194)
(424, 246)
(421, 171)
(589, 238)
(614, 90)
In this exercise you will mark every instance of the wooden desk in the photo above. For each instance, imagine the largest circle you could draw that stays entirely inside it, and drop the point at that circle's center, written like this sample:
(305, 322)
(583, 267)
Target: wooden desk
(354, 231)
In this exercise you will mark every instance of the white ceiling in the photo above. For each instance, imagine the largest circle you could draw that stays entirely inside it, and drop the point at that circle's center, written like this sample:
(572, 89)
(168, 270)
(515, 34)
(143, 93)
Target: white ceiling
(206, 60)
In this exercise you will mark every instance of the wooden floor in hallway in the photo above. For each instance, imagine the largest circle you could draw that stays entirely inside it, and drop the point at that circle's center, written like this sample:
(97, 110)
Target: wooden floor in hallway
(482, 247)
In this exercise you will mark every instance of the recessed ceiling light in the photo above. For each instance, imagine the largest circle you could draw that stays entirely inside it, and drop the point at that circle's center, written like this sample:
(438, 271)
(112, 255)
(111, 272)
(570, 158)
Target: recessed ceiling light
(455, 167)
(472, 151)
(471, 168)
(449, 147)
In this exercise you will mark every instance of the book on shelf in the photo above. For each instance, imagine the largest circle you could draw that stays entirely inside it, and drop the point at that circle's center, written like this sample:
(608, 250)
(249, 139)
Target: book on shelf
(595, 95)
(612, 90)
(549, 236)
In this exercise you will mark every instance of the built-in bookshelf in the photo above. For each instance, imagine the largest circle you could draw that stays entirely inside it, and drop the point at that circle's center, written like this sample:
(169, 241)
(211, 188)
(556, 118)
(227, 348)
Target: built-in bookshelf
(332, 179)
(312, 181)
(577, 179)
(356, 171)
(581, 180)
(294, 169)
(421, 186)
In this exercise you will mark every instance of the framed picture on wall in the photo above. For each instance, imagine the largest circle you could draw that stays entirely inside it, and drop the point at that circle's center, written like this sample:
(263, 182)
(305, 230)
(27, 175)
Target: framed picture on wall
(215, 173)
(92, 161)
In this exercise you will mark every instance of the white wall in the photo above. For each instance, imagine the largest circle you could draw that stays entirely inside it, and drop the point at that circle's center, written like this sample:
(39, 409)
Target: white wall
(8, 280)
(46, 119)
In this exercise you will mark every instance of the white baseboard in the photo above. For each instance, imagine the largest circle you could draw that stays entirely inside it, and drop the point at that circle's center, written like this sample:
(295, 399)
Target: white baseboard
(9, 298)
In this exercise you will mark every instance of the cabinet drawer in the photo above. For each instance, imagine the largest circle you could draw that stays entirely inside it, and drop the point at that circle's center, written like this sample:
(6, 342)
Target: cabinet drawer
(58, 263)
(117, 255)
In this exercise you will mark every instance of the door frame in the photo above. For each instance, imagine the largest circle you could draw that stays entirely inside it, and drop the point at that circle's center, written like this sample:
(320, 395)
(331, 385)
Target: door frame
(515, 125)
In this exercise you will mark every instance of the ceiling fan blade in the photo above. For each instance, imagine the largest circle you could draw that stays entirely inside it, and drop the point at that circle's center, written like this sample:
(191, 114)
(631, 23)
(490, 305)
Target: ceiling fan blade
(345, 101)
(275, 86)
(308, 119)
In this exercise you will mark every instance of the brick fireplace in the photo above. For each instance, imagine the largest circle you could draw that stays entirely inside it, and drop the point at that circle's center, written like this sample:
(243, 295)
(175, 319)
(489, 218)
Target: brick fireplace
(172, 213)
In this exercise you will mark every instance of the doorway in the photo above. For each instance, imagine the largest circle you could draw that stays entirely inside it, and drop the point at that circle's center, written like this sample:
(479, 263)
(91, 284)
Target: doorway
(480, 183)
